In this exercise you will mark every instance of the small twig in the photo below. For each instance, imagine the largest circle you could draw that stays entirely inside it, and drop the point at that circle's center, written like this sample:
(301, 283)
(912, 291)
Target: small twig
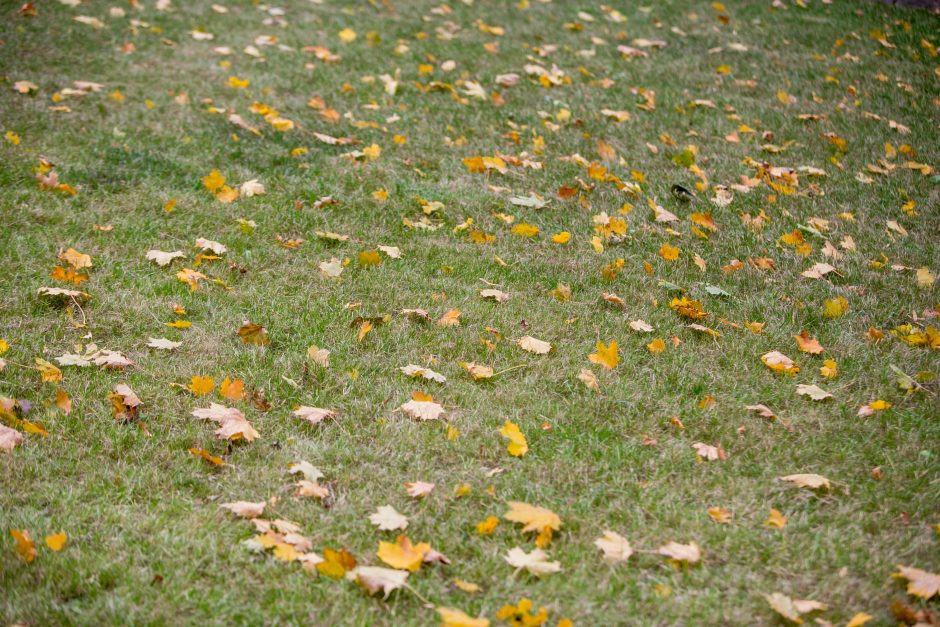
(84, 319)
(510, 369)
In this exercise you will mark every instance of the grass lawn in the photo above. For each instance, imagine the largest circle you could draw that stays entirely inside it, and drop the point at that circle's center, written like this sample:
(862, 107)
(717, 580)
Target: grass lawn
(758, 169)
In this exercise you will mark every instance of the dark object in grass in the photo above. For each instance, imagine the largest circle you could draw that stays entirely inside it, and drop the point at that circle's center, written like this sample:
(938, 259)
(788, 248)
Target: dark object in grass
(682, 194)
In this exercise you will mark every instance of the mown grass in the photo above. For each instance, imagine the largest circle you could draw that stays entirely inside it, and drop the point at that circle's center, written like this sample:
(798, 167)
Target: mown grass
(147, 543)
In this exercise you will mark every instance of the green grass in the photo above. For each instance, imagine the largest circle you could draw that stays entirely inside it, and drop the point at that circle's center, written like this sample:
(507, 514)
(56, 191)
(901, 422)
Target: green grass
(147, 541)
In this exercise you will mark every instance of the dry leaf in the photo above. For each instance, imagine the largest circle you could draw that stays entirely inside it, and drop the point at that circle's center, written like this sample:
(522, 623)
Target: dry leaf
(245, 509)
(313, 415)
(535, 562)
(423, 410)
(387, 519)
(688, 553)
(532, 345)
(616, 548)
(809, 481)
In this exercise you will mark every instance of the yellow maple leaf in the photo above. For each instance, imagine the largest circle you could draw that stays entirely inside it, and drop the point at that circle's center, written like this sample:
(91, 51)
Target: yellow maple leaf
(56, 541)
(835, 307)
(669, 253)
(533, 518)
(234, 390)
(251, 333)
(656, 346)
(49, 372)
(402, 554)
(200, 386)
(561, 238)
(213, 181)
(335, 563)
(24, 544)
(369, 258)
(488, 526)
(518, 446)
(606, 356)
(451, 617)
(525, 230)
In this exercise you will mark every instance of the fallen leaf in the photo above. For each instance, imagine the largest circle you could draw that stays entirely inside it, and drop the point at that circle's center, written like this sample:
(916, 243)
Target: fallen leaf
(808, 481)
(606, 356)
(313, 415)
(245, 509)
(532, 345)
(387, 519)
(616, 548)
(56, 541)
(535, 562)
(517, 442)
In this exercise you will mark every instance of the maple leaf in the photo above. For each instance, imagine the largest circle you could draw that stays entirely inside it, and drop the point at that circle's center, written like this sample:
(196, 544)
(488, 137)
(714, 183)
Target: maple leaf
(656, 346)
(232, 422)
(688, 553)
(200, 386)
(778, 362)
(533, 517)
(206, 455)
(213, 181)
(669, 253)
(233, 390)
(688, 308)
(792, 609)
(307, 488)
(606, 356)
(808, 481)
(56, 541)
(191, 278)
(48, 372)
(641, 326)
(251, 333)
(535, 562)
(589, 379)
(402, 553)
(808, 344)
(426, 373)
(818, 271)
(451, 617)
(313, 415)
(387, 519)
(9, 438)
(775, 520)
(76, 259)
(517, 443)
(163, 344)
(762, 410)
(532, 345)
(450, 318)
(335, 563)
(419, 489)
(477, 371)
(63, 401)
(498, 296)
(163, 259)
(616, 548)
(375, 578)
(245, 509)
(24, 544)
(920, 583)
(124, 402)
(709, 452)
(320, 356)
(423, 410)
(813, 391)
